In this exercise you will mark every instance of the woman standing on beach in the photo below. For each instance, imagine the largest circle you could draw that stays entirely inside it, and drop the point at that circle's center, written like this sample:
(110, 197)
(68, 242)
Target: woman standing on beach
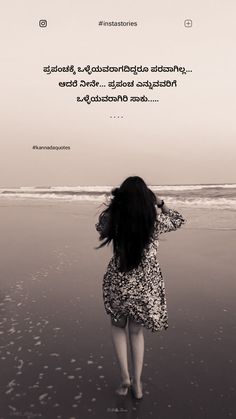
(133, 286)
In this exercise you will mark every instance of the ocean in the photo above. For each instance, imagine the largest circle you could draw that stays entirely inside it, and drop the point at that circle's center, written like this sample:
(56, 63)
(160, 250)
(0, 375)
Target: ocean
(204, 196)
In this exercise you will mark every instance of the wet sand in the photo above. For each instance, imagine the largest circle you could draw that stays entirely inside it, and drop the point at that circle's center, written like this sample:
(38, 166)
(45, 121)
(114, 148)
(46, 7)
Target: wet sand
(57, 360)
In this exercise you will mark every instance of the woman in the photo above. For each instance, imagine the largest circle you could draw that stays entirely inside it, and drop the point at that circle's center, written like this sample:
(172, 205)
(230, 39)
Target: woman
(133, 286)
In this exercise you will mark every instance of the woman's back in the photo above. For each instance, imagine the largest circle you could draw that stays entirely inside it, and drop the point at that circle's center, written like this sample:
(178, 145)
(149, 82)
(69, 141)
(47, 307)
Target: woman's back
(137, 291)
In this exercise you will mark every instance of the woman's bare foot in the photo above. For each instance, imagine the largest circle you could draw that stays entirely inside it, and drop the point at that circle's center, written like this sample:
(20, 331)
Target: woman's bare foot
(123, 388)
(137, 390)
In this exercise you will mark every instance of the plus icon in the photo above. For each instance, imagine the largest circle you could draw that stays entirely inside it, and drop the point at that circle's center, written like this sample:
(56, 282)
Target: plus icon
(188, 23)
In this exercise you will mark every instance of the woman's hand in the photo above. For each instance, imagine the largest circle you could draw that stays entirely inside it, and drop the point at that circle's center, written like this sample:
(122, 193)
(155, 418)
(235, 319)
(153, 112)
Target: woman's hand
(164, 208)
(159, 201)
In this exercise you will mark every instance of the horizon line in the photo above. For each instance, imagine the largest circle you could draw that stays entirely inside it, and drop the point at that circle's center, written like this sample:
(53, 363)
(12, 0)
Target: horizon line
(115, 185)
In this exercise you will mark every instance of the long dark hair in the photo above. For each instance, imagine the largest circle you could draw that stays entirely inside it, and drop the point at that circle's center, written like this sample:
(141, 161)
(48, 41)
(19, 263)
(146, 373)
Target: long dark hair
(131, 215)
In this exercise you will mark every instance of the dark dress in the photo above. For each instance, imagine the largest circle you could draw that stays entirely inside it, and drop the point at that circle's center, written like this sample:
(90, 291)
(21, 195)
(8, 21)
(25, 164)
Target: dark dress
(140, 293)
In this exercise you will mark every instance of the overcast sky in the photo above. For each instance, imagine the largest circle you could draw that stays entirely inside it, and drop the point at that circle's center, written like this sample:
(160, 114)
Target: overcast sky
(186, 137)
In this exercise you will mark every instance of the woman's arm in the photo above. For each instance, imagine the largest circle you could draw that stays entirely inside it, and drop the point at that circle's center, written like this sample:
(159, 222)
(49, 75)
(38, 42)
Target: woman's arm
(168, 219)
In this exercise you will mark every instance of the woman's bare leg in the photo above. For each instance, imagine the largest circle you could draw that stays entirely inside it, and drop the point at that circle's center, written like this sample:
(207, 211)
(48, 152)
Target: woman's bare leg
(119, 339)
(137, 354)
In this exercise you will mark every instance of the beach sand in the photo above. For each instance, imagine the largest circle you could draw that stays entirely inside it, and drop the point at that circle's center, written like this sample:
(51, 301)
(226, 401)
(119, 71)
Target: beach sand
(57, 359)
